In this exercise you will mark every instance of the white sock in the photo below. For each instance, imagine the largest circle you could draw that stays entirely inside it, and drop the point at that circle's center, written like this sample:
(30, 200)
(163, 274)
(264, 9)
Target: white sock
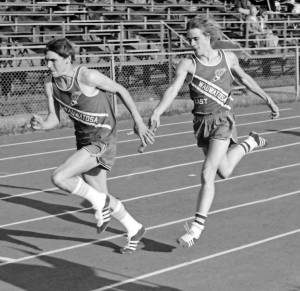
(121, 214)
(249, 144)
(82, 189)
(196, 229)
(197, 225)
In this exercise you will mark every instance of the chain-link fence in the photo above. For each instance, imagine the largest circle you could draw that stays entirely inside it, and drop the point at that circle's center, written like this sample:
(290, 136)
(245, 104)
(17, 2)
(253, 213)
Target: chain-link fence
(146, 76)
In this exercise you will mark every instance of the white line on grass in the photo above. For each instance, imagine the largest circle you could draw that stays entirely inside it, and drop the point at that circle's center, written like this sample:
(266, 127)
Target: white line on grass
(199, 260)
(127, 129)
(69, 248)
(146, 196)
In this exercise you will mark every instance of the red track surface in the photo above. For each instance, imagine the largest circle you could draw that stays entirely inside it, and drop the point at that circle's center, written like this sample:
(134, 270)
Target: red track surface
(49, 241)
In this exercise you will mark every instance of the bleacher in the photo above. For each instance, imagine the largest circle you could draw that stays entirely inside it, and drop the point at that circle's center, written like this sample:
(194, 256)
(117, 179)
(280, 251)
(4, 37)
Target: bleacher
(137, 35)
(135, 24)
(38, 21)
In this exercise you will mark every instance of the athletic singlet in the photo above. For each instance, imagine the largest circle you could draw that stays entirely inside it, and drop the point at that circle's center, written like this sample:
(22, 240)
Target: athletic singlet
(210, 86)
(93, 117)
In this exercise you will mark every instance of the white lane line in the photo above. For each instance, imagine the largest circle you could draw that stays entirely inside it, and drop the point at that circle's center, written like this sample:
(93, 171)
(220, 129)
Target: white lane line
(156, 151)
(199, 260)
(6, 260)
(126, 129)
(147, 196)
(166, 224)
(145, 153)
(137, 139)
(150, 152)
(137, 173)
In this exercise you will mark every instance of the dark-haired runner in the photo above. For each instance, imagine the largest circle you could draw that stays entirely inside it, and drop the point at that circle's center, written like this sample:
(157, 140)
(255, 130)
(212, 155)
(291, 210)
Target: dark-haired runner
(81, 92)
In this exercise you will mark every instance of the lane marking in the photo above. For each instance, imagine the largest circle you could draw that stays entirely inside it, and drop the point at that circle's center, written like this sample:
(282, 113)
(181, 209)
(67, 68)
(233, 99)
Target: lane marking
(151, 152)
(6, 260)
(146, 196)
(199, 260)
(166, 224)
(137, 139)
(127, 129)
(137, 173)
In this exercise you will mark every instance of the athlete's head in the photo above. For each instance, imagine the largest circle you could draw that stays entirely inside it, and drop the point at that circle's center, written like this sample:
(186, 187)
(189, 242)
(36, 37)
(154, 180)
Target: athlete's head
(62, 47)
(202, 31)
(59, 56)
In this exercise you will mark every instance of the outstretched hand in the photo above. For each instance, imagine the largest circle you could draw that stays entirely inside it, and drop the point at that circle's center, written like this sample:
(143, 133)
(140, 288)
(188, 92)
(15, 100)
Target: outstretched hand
(146, 135)
(152, 128)
(274, 111)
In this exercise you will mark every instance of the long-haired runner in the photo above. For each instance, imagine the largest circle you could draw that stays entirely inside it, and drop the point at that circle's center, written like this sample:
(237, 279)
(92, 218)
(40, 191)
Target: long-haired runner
(210, 72)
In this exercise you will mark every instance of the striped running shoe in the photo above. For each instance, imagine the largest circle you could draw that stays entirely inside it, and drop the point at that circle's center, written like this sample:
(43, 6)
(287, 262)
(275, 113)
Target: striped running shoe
(261, 142)
(103, 216)
(188, 239)
(133, 242)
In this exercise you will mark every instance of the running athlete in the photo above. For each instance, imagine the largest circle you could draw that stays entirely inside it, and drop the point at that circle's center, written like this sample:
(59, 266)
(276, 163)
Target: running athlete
(82, 93)
(210, 72)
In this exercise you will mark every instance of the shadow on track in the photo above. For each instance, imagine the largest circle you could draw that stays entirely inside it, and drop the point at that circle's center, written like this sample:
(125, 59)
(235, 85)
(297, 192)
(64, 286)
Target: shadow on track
(63, 275)
(290, 132)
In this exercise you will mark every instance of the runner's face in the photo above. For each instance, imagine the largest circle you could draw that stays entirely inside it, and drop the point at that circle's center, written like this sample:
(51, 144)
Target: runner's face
(198, 41)
(56, 64)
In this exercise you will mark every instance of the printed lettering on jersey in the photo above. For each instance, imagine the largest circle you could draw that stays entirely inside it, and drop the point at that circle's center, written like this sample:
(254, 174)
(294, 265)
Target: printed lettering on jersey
(93, 119)
(200, 101)
(218, 74)
(210, 90)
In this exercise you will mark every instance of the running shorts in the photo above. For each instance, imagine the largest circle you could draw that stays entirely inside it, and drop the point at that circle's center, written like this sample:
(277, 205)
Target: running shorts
(220, 125)
(104, 153)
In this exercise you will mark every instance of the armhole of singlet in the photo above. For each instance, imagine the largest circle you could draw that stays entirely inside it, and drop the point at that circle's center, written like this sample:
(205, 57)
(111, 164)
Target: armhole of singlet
(76, 75)
(226, 61)
(195, 65)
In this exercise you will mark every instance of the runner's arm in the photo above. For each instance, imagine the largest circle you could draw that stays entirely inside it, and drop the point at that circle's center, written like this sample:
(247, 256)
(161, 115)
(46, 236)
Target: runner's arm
(52, 120)
(251, 84)
(170, 94)
(96, 79)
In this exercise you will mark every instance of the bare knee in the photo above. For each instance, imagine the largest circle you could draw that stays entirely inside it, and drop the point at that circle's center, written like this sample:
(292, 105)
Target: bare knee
(59, 179)
(224, 173)
(208, 176)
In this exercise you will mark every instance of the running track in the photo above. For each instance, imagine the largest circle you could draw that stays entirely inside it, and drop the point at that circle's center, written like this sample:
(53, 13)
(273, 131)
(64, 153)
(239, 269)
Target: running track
(49, 242)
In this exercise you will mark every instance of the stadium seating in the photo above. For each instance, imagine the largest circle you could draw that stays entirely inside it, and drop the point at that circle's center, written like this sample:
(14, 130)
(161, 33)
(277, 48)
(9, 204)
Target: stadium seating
(127, 40)
(124, 26)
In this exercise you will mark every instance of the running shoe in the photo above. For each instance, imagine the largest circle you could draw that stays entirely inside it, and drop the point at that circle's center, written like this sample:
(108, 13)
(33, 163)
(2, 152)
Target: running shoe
(103, 216)
(261, 142)
(133, 242)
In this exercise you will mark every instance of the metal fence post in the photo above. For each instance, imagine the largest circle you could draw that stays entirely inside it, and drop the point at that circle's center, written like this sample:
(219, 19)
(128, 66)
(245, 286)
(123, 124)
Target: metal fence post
(170, 54)
(162, 36)
(297, 74)
(113, 77)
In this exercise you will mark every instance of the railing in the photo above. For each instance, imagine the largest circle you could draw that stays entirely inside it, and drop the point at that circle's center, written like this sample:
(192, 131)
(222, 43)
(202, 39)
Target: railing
(41, 32)
(145, 75)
